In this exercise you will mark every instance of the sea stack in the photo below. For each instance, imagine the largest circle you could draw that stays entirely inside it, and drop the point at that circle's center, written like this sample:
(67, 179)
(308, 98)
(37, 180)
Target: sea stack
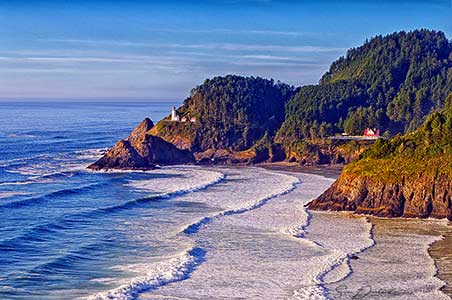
(142, 151)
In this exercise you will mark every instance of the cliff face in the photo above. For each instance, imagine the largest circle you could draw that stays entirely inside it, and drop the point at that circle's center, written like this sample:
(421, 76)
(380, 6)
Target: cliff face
(321, 152)
(407, 176)
(142, 151)
(137, 134)
(420, 196)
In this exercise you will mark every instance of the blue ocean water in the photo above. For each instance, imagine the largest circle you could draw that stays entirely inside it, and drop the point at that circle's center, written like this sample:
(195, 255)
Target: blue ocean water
(63, 229)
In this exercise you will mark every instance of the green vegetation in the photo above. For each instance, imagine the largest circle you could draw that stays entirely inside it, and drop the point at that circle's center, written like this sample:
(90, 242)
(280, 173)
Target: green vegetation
(428, 149)
(391, 83)
(232, 112)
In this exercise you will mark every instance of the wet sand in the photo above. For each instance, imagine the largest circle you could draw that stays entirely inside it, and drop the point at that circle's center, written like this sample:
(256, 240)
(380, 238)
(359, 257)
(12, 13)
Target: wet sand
(398, 266)
(441, 252)
(329, 171)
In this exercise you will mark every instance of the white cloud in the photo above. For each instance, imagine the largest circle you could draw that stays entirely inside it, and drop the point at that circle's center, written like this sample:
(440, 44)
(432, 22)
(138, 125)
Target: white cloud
(210, 46)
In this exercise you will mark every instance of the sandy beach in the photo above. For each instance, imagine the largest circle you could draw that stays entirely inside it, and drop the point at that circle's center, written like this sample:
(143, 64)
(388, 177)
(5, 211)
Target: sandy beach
(398, 265)
(441, 252)
(433, 235)
(328, 171)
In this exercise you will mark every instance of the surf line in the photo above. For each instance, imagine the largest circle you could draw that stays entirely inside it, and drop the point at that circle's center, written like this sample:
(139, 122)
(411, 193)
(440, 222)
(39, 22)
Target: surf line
(195, 227)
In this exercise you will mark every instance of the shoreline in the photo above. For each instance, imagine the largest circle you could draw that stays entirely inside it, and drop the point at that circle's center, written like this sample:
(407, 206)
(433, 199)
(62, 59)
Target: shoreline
(405, 250)
(328, 171)
(439, 251)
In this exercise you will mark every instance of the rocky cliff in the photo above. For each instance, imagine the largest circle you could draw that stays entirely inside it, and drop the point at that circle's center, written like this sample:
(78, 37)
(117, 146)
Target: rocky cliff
(407, 176)
(422, 195)
(142, 151)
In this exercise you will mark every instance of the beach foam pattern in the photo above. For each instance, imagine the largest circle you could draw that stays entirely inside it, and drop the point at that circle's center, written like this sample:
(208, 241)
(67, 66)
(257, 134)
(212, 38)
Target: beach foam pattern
(161, 274)
(268, 241)
(283, 183)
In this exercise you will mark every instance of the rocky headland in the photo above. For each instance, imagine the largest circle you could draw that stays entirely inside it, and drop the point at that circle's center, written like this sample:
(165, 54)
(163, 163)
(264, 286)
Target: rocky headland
(391, 83)
(142, 151)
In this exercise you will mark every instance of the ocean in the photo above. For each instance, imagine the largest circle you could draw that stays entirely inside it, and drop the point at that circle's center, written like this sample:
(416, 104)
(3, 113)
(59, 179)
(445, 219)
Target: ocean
(179, 232)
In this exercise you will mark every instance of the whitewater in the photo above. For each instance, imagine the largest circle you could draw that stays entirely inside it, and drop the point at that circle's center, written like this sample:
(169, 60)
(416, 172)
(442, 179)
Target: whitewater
(255, 248)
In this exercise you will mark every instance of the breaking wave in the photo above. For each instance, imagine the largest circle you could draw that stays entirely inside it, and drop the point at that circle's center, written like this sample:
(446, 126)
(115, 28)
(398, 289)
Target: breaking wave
(176, 269)
(290, 185)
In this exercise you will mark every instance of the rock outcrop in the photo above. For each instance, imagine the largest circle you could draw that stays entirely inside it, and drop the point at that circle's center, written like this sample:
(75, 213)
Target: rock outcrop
(142, 151)
(391, 83)
(420, 196)
(140, 131)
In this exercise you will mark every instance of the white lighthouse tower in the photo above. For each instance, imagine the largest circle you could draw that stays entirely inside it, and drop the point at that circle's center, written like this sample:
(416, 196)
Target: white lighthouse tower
(174, 115)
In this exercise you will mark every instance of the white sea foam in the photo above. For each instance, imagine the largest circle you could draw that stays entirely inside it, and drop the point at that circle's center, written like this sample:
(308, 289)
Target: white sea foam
(178, 180)
(193, 179)
(21, 135)
(91, 154)
(287, 185)
(398, 267)
(256, 242)
(265, 230)
(341, 238)
(10, 194)
(161, 274)
(25, 182)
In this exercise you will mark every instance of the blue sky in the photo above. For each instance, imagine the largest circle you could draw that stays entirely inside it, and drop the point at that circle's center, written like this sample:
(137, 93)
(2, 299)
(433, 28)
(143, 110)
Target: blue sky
(159, 50)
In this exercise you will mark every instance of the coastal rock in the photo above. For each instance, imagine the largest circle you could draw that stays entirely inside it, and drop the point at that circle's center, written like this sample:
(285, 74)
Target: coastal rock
(121, 156)
(407, 176)
(142, 151)
(140, 130)
(155, 150)
(420, 196)
(227, 157)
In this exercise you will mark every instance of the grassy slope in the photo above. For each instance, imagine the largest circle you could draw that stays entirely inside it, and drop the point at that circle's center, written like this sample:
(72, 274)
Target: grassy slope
(427, 150)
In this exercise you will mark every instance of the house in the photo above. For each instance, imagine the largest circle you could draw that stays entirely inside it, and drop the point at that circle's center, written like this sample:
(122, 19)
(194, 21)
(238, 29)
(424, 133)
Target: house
(371, 132)
(175, 117)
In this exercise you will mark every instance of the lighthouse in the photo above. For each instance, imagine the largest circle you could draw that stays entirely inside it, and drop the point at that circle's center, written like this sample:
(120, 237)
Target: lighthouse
(174, 115)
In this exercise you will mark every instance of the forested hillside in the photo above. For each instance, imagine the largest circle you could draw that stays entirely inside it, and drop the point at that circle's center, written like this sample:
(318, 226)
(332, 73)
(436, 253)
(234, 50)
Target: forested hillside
(409, 175)
(391, 82)
(231, 112)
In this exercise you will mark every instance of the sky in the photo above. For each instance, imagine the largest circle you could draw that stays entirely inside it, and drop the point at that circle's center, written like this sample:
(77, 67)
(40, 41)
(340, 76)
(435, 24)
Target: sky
(160, 50)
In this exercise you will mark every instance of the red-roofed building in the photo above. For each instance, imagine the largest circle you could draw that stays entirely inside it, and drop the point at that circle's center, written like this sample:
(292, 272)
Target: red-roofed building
(371, 132)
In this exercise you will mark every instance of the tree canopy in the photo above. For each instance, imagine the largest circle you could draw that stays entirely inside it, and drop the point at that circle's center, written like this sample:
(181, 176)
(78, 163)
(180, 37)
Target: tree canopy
(234, 112)
(391, 82)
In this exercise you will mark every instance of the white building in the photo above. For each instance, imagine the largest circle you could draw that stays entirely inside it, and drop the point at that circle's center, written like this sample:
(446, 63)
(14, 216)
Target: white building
(174, 115)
